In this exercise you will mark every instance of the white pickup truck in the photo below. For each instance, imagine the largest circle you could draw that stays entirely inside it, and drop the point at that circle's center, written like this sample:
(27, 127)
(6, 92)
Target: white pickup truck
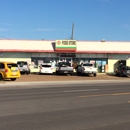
(86, 68)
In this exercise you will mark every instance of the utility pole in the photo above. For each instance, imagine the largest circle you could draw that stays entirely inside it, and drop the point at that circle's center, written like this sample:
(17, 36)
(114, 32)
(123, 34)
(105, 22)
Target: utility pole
(72, 36)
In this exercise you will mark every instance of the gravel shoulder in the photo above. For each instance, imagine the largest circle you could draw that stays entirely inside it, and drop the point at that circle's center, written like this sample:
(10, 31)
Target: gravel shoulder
(36, 77)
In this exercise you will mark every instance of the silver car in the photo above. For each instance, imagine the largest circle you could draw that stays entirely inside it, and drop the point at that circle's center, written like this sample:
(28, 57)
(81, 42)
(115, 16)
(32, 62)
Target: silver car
(23, 67)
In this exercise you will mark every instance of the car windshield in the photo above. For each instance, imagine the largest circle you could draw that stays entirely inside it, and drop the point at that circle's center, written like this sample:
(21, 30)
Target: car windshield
(46, 66)
(87, 64)
(12, 65)
(61, 64)
(22, 63)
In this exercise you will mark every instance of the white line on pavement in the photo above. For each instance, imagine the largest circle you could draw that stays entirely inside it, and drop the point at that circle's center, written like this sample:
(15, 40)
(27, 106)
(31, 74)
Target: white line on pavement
(81, 90)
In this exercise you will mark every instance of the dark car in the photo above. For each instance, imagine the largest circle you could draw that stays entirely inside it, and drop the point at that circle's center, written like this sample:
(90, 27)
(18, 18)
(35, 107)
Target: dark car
(64, 68)
(123, 71)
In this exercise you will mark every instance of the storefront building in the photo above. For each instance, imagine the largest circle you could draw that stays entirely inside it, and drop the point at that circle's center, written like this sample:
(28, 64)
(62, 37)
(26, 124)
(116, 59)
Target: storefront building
(101, 54)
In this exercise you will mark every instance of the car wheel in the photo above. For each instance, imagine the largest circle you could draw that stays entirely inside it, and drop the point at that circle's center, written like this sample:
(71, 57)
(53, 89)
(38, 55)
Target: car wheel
(13, 79)
(53, 73)
(78, 73)
(27, 73)
(116, 74)
(95, 75)
(121, 75)
(69, 74)
(57, 72)
(1, 77)
(128, 76)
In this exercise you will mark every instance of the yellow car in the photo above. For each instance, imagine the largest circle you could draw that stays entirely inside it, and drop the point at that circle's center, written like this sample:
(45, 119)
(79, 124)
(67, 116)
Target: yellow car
(9, 70)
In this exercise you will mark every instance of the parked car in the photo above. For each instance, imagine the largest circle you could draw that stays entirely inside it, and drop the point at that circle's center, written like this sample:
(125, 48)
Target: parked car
(34, 69)
(123, 71)
(64, 68)
(47, 68)
(86, 68)
(23, 67)
(9, 70)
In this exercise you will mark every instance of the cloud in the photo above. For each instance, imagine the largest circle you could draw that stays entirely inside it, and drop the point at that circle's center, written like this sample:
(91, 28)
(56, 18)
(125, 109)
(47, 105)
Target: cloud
(7, 24)
(2, 30)
(126, 26)
(48, 29)
(42, 29)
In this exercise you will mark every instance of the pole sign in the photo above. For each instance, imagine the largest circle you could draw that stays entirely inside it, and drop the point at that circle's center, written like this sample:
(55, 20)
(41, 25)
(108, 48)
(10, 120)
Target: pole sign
(65, 45)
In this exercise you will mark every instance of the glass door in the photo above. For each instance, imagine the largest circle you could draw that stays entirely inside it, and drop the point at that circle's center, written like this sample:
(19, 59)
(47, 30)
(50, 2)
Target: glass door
(99, 65)
(66, 59)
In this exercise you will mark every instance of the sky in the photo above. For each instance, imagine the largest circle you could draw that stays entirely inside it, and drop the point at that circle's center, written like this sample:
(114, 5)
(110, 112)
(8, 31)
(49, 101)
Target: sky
(93, 20)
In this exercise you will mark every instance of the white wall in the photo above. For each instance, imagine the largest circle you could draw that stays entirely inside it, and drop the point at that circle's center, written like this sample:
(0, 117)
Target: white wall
(48, 46)
(111, 63)
(16, 59)
(113, 58)
(104, 47)
(15, 56)
(128, 62)
(26, 45)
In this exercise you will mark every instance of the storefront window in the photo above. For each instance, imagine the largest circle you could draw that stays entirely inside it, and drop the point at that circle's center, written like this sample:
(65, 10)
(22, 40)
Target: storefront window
(40, 60)
(93, 62)
(81, 60)
(99, 63)
(103, 65)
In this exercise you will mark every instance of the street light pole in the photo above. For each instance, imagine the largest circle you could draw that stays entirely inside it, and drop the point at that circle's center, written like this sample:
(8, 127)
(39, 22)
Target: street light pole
(72, 37)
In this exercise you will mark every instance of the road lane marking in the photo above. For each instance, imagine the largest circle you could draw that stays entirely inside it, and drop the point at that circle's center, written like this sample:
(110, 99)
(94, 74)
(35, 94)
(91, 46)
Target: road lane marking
(99, 95)
(69, 91)
(116, 94)
(108, 124)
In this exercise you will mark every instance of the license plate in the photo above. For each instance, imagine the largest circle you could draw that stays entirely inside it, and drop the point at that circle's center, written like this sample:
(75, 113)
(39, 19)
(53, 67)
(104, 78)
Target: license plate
(14, 73)
(66, 72)
(88, 72)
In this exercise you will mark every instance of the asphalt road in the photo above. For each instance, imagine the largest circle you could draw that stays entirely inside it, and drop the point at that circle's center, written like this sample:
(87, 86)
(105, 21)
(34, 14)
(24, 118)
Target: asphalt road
(95, 106)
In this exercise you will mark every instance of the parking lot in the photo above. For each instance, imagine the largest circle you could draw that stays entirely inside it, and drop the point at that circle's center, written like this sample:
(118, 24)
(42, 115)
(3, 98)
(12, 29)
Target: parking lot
(37, 77)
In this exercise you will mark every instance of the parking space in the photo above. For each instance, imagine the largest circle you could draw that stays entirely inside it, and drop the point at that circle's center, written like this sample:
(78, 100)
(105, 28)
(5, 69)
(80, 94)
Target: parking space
(37, 77)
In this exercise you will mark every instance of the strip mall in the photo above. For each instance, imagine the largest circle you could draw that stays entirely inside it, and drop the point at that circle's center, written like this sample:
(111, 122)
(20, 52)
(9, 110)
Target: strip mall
(100, 53)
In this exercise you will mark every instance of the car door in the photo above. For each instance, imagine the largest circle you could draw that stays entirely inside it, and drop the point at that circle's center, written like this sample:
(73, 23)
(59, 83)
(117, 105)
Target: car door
(2, 69)
(13, 69)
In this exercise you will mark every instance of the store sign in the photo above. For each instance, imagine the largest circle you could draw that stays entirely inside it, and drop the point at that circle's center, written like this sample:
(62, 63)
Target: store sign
(65, 45)
(67, 55)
